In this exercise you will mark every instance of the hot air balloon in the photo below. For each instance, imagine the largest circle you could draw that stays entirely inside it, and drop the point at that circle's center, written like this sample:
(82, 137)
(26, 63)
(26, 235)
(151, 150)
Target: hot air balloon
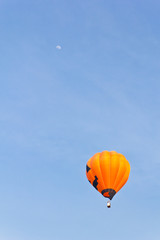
(108, 172)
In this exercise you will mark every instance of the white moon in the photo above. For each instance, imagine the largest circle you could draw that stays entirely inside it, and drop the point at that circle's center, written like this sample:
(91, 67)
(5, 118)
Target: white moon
(58, 47)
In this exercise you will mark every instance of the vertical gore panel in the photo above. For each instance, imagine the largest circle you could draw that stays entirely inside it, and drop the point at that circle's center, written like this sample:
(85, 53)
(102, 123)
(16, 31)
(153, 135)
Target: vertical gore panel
(121, 171)
(125, 176)
(105, 168)
(95, 167)
(114, 166)
(89, 173)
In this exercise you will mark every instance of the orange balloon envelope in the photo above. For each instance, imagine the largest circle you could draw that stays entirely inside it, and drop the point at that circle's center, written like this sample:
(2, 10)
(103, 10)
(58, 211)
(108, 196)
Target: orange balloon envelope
(108, 172)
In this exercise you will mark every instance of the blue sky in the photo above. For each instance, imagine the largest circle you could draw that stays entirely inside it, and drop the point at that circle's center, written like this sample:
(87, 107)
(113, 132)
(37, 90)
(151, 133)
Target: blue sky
(60, 107)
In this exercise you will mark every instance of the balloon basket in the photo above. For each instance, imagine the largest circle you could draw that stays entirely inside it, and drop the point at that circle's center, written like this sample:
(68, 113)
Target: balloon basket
(108, 204)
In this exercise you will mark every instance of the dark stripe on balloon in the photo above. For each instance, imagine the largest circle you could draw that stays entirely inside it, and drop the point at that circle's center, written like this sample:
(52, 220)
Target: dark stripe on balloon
(87, 168)
(95, 183)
